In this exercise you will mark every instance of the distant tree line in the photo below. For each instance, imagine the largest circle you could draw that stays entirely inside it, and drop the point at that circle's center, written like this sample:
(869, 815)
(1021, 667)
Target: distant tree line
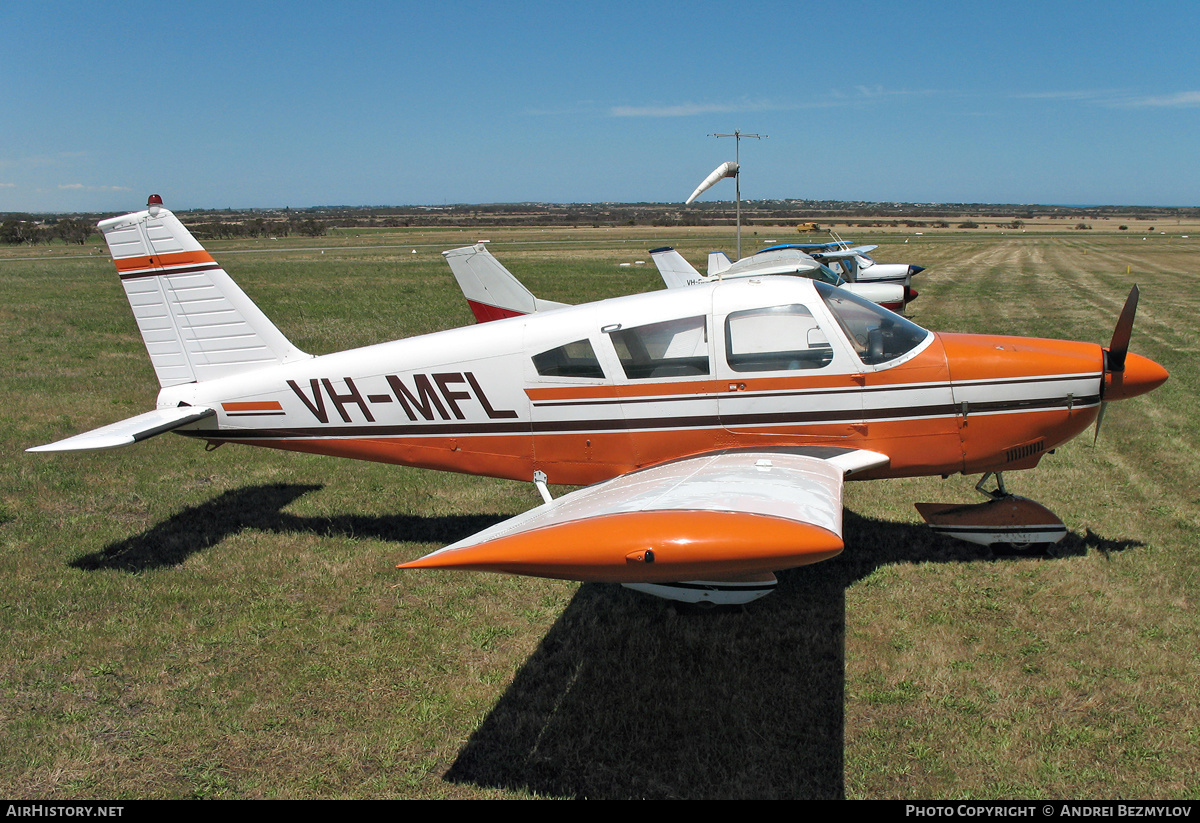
(16, 231)
(257, 227)
(317, 221)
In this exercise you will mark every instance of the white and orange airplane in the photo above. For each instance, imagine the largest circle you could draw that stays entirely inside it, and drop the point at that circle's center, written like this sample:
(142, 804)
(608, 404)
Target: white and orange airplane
(712, 426)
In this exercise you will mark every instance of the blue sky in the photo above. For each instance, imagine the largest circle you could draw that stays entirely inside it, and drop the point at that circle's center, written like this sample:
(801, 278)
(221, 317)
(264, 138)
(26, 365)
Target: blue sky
(250, 104)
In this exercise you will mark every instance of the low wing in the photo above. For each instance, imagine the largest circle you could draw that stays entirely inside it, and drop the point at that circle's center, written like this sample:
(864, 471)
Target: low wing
(129, 431)
(712, 516)
(675, 271)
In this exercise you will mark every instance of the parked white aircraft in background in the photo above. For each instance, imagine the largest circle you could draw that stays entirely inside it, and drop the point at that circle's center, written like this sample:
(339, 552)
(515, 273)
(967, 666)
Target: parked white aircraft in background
(776, 260)
(493, 293)
(855, 264)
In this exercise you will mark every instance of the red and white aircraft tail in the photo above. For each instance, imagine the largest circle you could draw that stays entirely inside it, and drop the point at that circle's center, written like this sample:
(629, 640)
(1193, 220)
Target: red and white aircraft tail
(491, 290)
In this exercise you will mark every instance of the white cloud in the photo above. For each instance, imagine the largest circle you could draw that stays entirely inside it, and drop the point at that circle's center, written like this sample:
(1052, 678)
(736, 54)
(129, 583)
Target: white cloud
(1116, 99)
(81, 187)
(1178, 100)
(1079, 94)
(687, 109)
(837, 98)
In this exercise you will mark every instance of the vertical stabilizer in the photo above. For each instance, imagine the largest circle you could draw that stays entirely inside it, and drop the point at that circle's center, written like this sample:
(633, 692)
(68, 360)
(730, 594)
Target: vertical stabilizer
(492, 292)
(195, 321)
(718, 261)
(675, 271)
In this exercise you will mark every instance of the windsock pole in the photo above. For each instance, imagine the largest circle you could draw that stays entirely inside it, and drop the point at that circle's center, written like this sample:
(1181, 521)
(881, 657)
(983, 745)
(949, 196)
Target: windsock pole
(737, 136)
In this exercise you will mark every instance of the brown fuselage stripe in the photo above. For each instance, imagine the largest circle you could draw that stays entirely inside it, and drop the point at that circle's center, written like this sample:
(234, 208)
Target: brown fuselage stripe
(140, 273)
(659, 423)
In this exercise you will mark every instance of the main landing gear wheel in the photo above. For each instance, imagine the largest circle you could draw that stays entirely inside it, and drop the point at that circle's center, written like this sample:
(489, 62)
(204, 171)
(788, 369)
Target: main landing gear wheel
(1004, 520)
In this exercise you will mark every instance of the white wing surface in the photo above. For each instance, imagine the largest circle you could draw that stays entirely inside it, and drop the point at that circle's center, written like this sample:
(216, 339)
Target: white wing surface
(844, 253)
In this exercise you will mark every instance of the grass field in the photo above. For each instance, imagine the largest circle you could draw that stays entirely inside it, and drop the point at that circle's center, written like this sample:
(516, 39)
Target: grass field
(229, 624)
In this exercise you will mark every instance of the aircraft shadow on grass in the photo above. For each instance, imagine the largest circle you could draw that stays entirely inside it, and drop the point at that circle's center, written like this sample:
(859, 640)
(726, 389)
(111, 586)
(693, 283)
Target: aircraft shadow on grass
(626, 696)
(201, 527)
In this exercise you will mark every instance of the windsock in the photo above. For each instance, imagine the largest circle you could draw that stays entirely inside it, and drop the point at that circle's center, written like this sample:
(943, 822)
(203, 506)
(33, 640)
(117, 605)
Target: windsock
(726, 169)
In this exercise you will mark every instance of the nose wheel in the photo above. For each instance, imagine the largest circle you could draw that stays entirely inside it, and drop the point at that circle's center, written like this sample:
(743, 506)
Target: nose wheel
(1004, 519)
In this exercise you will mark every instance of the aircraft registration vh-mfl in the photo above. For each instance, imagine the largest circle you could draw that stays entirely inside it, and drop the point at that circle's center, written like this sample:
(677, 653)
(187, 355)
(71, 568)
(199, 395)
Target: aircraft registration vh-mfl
(712, 426)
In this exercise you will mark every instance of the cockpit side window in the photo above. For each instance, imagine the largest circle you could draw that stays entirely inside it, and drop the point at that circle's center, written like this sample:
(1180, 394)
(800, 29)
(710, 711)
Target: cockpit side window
(778, 338)
(876, 334)
(576, 359)
(672, 348)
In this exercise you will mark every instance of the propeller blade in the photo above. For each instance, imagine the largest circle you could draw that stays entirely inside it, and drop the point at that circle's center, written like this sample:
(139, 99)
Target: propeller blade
(1117, 349)
(1099, 420)
(1119, 346)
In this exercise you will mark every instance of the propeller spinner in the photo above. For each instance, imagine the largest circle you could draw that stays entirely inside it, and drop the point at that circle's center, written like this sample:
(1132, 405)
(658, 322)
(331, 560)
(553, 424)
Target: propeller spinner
(1125, 374)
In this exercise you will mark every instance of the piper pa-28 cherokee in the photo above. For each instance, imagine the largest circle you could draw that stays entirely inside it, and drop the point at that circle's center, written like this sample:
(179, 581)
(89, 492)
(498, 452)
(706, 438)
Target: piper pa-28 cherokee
(715, 424)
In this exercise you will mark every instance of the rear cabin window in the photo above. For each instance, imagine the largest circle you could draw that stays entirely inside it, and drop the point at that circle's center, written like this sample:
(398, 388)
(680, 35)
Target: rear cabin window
(576, 359)
(780, 338)
(673, 348)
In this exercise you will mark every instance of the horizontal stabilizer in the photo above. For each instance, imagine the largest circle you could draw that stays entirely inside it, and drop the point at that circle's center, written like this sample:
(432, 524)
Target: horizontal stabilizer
(129, 431)
(706, 517)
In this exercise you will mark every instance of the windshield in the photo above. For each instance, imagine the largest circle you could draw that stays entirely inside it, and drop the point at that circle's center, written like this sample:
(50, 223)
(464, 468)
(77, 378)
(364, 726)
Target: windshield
(876, 334)
(828, 275)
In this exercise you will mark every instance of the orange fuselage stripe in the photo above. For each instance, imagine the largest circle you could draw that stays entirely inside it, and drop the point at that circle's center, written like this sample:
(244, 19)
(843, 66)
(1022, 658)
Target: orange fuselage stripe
(266, 405)
(157, 261)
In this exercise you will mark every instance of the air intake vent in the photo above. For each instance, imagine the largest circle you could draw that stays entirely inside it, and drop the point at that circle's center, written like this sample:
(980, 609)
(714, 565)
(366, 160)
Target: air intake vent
(1022, 452)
